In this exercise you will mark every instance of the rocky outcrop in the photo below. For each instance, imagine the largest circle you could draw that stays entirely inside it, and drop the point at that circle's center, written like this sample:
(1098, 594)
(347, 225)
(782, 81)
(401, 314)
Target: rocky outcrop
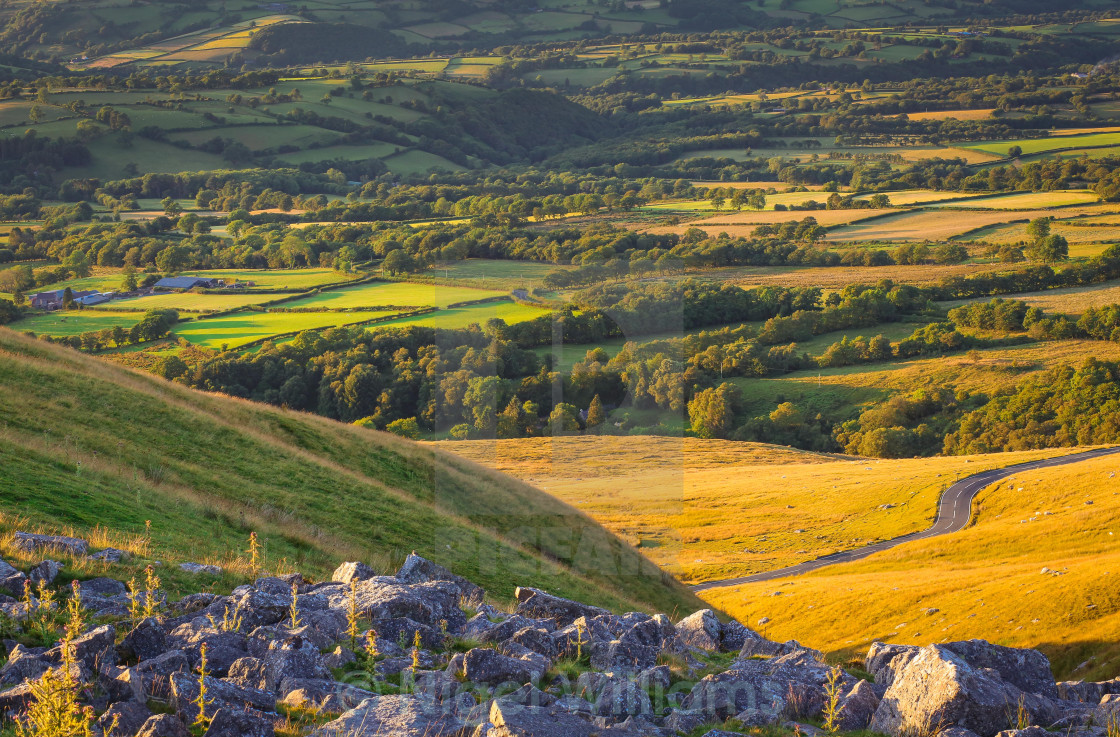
(763, 691)
(434, 672)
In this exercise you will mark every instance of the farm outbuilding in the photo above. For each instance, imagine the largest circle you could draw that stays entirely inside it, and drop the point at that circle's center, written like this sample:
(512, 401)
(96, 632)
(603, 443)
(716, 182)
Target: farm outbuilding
(183, 283)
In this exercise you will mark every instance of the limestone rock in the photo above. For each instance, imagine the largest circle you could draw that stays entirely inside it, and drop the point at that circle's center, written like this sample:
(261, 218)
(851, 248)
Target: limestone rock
(352, 571)
(701, 630)
(45, 573)
(163, 725)
(293, 657)
(883, 661)
(484, 665)
(858, 706)
(537, 603)
(393, 715)
(385, 598)
(248, 672)
(199, 568)
(232, 722)
(30, 543)
(108, 555)
(184, 694)
(124, 717)
(938, 688)
(146, 640)
(12, 581)
(420, 570)
(513, 720)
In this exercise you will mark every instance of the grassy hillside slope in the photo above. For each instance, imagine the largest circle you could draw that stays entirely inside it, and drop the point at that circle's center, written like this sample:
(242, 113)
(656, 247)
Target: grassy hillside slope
(86, 444)
(1039, 568)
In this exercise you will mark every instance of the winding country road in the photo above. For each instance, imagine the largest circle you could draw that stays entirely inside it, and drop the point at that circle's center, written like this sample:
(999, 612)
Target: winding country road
(953, 513)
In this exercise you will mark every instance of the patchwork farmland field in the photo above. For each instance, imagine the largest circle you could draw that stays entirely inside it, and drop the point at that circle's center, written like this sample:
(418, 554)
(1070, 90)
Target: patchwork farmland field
(290, 279)
(1026, 200)
(1049, 144)
(395, 294)
(237, 329)
(189, 302)
(75, 322)
(939, 224)
(1072, 301)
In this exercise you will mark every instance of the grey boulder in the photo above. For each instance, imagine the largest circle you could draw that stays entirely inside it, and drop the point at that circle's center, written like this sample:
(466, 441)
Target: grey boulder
(701, 630)
(939, 688)
(30, 543)
(421, 570)
(393, 715)
(538, 604)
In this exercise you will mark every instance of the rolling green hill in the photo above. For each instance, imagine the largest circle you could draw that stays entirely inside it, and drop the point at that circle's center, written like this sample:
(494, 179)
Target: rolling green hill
(84, 444)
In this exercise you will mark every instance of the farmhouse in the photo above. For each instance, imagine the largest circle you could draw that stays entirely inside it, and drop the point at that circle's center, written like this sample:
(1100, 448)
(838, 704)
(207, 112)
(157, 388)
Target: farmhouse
(53, 300)
(183, 283)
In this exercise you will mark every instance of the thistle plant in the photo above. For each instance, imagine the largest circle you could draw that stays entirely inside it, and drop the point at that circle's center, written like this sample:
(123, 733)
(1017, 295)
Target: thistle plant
(416, 649)
(294, 618)
(202, 722)
(352, 614)
(53, 709)
(133, 601)
(832, 707)
(254, 554)
(371, 645)
(229, 622)
(151, 587)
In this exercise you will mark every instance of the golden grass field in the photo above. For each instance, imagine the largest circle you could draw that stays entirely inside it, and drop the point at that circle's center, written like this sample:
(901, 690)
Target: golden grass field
(951, 115)
(987, 581)
(743, 223)
(780, 186)
(840, 276)
(921, 225)
(1076, 232)
(916, 196)
(1029, 200)
(982, 370)
(707, 509)
(1072, 301)
(716, 509)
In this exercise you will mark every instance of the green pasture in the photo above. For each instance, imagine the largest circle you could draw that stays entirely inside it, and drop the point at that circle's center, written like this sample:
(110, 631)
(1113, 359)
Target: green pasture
(362, 152)
(495, 273)
(74, 322)
(258, 137)
(110, 159)
(194, 301)
(105, 281)
(1044, 145)
(397, 294)
(461, 317)
(418, 162)
(294, 279)
(245, 327)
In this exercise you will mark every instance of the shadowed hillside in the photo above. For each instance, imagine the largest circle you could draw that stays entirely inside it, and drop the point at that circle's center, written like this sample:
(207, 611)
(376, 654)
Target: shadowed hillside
(84, 443)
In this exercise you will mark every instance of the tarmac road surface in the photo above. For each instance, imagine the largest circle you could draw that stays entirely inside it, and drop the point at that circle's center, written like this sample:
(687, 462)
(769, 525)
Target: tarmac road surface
(953, 514)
